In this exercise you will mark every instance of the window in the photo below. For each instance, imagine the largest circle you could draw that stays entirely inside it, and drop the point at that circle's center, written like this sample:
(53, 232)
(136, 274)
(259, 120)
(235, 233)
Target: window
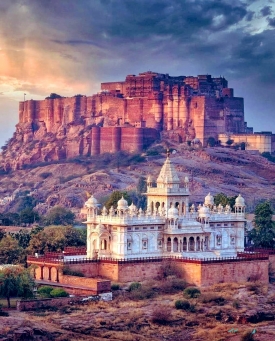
(136, 228)
(219, 240)
(224, 224)
(144, 228)
(152, 227)
(218, 224)
(129, 229)
(129, 245)
(232, 240)
(144, 244)
(159, 243)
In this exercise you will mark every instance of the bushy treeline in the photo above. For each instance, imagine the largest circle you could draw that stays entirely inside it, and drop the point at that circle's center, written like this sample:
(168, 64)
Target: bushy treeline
(14, 247)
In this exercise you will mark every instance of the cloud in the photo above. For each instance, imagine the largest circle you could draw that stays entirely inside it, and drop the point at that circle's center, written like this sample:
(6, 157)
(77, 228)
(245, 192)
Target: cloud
(70, 46)
(266, 11)
(271, 22)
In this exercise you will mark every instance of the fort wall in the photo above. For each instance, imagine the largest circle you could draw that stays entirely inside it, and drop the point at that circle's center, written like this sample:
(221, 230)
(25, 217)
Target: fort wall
(130, 115)
(260, 142)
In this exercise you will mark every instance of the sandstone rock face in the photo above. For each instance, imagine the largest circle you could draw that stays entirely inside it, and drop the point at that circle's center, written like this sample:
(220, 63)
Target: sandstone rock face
(125, 116)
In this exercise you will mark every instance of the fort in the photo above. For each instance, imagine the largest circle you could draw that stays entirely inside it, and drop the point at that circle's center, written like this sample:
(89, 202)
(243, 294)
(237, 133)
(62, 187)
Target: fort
(129, 116)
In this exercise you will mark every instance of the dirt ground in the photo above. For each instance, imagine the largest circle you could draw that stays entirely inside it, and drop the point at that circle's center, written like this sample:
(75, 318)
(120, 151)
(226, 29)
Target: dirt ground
(222, 312)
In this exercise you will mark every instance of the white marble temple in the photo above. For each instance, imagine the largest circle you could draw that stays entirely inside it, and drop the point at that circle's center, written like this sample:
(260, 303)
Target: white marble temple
(169, 226)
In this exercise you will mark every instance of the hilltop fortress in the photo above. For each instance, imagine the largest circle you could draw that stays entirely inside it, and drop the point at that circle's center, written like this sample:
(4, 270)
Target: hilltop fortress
(130, 115)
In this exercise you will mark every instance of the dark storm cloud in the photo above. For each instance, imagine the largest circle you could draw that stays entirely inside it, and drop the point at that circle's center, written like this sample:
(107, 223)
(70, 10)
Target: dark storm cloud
(80, 43)
(123, 31)
(271, 22)
(265, 11)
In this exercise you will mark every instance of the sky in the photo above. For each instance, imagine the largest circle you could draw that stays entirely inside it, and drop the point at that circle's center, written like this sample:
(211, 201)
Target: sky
(70, 46)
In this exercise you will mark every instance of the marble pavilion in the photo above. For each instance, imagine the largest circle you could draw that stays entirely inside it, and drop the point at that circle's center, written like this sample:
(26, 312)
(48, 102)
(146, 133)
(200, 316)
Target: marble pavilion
(170, 226)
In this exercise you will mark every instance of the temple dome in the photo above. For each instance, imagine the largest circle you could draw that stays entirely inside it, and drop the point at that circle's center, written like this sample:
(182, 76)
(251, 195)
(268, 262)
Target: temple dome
(168, 174)
(239, 201)
(122, 204)
(91, 202)
(173, 213)
(204, 211)
(132, 208)
(209, 200)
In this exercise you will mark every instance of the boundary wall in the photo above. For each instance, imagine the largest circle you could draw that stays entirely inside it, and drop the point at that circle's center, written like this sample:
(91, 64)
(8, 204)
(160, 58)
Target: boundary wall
(201, 272)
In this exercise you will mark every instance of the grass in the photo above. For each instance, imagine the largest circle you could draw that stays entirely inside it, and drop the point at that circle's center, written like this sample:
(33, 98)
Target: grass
(13, 300)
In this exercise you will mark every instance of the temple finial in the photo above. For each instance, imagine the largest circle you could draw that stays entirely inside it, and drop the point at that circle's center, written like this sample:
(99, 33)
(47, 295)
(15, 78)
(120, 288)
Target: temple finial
(168, 153)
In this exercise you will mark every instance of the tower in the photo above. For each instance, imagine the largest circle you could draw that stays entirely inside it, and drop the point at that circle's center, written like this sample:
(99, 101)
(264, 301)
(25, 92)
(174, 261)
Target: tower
(168, 193)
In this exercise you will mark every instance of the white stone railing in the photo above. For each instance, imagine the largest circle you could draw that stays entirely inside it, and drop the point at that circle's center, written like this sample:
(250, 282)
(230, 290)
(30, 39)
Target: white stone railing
(137, 219)
(155, 190)
(126, 219)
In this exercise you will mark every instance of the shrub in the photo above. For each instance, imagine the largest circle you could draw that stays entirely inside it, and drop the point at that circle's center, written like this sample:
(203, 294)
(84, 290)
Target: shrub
(169, 269)
(142, 293)
(172, 285)
(236, 304)
(115, 286)
(184, 305)
(212, 297)
(45, 175)
(247, 336)
(58, 292)
(134, 286)
(161, 315)
(191, 292)
(45, 291)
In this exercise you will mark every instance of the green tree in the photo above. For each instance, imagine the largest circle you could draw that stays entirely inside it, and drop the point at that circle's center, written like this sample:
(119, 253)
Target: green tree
(59, 215)
(2, 234)
(15, 281)
(211, 142)
(263, 233)
(28, 216)
(224, 200)
(10, 251)
(55, 239)
(229, 142)
(9, 219)
(26, 201)
(115, 197)
(53, 96)
(23, 237)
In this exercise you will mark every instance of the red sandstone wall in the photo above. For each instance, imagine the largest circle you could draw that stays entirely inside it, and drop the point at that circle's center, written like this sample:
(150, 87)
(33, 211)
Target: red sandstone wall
(88, 269)
(234, 272)
(272, 264)
(138, 271)
(197, 115)
(108, 270)
(97, 285)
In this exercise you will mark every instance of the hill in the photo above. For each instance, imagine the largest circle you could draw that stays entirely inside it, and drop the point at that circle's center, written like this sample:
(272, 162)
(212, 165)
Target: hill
(212, 170)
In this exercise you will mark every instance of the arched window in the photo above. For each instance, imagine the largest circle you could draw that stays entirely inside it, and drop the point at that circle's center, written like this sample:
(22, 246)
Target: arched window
(169, 244)
(191, 244)
(104, 244)
(144, 242)
(184, 244)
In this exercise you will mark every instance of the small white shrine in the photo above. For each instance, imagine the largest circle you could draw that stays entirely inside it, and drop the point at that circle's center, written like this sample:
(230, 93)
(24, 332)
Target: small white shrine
(169, 226)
